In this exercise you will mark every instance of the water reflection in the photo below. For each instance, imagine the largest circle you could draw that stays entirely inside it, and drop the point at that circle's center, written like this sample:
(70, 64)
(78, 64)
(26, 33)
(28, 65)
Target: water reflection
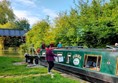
(11, 53)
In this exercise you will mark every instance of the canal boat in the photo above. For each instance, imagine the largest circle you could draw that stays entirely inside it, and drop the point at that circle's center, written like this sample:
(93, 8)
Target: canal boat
(95, 65)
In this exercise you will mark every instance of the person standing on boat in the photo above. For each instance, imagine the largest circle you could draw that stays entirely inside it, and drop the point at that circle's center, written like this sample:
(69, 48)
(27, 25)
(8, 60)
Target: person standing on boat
(43, 45)
(52, 44)
(50, 58)
(59, 45)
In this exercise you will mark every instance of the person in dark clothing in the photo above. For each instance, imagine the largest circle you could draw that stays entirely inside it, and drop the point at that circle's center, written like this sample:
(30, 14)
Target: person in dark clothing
(50, 58)
(43, 46)
(52, 44)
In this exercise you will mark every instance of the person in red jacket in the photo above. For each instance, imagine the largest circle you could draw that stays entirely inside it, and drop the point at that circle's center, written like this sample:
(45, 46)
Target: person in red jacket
(50, 58)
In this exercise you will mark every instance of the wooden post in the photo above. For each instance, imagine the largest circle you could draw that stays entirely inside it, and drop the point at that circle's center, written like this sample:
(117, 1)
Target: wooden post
(1, 43)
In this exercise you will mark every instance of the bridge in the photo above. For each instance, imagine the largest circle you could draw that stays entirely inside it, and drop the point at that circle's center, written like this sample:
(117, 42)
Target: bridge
(9, 34)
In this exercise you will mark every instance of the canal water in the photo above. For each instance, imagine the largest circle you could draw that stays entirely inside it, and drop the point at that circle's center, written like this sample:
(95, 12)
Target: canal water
(11, 53)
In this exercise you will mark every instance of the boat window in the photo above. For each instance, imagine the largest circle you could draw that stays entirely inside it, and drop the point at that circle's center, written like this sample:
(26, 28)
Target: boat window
(59, 57)
(92, 62)
(43, 53)
(68, 57)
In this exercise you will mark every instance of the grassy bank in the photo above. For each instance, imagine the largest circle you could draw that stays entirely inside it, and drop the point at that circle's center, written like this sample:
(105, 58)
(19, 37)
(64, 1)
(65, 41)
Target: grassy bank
(11, 72)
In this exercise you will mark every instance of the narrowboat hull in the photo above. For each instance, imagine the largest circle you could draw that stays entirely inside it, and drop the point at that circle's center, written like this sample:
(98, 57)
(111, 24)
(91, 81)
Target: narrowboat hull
(94, 65)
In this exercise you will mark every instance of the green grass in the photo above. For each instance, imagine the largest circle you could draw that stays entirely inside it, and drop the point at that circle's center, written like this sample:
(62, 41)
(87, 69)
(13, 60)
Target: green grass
(10, 73)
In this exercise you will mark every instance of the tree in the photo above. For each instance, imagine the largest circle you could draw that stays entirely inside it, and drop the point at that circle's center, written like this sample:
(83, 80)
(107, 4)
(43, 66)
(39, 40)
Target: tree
(8, 25)
(6, 12)
(38, 34)
(8, 18)
(22, 24)
(93, 25)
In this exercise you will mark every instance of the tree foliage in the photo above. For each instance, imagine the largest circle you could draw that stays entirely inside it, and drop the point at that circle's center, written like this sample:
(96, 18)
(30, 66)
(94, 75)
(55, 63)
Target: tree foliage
(8, 19)
(39, 33)
(6, 12)
(22, 24)
(92, 24)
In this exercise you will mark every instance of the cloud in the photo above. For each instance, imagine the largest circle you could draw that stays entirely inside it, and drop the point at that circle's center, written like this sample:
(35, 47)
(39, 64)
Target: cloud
(50, 13)
(33, 20)
(30, 3)
(25, 14)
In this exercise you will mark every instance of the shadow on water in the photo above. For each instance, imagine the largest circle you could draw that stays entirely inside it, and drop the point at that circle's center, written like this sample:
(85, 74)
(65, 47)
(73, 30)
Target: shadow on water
(11, 53)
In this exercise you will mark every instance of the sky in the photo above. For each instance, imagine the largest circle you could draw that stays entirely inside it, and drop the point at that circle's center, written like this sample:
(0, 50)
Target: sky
(36, 10)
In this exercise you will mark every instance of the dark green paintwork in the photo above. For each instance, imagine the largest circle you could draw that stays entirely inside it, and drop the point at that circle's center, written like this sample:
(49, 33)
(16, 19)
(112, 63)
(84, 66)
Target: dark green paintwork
(106, 56)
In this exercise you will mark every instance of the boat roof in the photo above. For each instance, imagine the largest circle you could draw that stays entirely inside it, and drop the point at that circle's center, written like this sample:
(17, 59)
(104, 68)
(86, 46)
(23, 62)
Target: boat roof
(80, 48)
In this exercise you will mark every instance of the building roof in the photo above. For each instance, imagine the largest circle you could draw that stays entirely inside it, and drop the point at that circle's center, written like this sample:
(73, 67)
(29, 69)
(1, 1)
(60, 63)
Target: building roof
(12, 32)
